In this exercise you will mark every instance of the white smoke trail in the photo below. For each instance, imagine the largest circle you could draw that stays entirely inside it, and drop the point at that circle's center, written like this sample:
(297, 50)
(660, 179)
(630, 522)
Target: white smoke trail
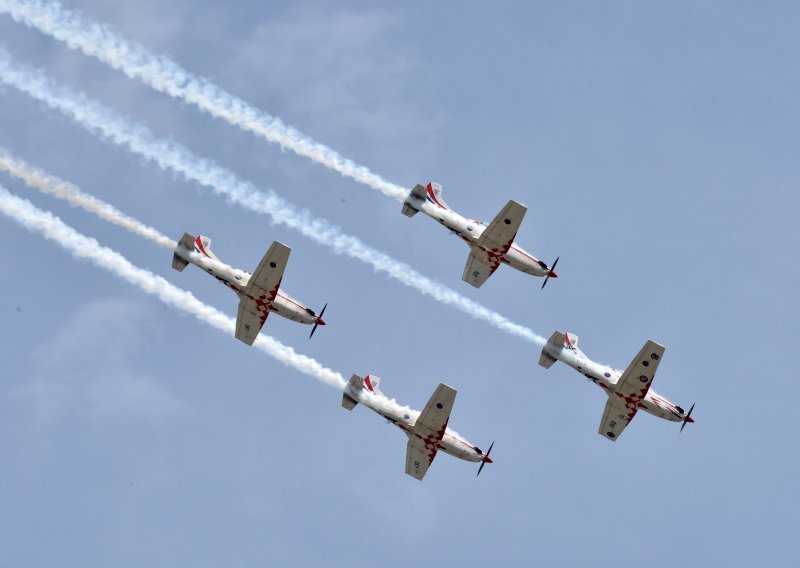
(46, 183)
(171, 155)
(164, 75)
(24, 212)
(85, 248)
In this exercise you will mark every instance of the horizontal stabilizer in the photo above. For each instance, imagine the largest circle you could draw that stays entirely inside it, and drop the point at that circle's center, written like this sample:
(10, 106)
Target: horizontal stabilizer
(553, 345)
(409, 211)
(546, 360)
(419, 191)
(179, 261)
(354, 385)
(348, 402)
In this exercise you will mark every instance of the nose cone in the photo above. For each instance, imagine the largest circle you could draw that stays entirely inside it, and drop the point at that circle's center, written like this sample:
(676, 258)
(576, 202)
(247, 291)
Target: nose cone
(689, 419)
(487, 459)
(552, 274)
(320, 321)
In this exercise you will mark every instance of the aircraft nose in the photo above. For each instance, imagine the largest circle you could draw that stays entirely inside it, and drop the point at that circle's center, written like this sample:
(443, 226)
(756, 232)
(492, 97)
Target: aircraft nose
(689, 419)
(320, 321)
(552, 274)
(487, 459)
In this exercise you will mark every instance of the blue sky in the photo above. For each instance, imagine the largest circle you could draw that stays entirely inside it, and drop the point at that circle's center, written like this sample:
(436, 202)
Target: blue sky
(656, 150)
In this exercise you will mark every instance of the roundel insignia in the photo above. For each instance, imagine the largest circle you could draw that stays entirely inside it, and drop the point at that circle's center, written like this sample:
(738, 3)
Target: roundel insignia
(272, 265)
(611, 434)
(646, 363)
(643, 378)
(654, 356)
(607, 375)
(439, 405)
(507, 221)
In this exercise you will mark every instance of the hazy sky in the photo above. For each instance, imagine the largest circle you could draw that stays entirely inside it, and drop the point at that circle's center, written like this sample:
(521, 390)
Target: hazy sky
(656, 148)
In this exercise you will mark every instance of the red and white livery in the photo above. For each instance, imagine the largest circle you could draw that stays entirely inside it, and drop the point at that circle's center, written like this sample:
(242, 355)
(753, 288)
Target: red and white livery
(627, 390)
(491, 245)
(427, 431)
(259, 293)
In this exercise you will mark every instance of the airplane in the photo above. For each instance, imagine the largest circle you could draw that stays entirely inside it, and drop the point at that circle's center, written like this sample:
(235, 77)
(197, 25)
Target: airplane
(427, 430)
(490, 244)
(259, 293)
(627, 390)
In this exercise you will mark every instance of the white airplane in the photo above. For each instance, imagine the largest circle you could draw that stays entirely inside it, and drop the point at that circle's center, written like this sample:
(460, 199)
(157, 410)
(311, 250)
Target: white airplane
(627, 391)
(259, 293)
(490, 244)
(427, 430)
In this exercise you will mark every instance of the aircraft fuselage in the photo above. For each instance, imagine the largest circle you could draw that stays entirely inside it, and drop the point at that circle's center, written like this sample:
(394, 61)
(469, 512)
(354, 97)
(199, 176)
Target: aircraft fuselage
(236, 279)
(405, 418)
(470, 230)
(606, 377)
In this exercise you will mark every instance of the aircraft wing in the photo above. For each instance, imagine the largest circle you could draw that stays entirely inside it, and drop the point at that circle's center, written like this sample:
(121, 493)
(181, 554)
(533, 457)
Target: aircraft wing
(260, 293)
(250, 319)
(479, 267)
(493, 244)
(630, 390)
(418, 458)
(616, 417)
(423, 442)
(501, 231)
(433, 418)
(269, 272)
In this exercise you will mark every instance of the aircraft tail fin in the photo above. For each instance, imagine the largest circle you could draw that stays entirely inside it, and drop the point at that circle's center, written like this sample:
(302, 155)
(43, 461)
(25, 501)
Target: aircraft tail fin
(571, 340)
(557, 342)
(371, 383)
(355, 385)
(202, 244)
(434, 191)
(186, 243)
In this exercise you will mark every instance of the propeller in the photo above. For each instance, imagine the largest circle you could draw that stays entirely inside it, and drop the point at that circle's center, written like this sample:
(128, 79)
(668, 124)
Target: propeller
(319, 319)
(549, 272)
(686, 418)
(485, 459)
